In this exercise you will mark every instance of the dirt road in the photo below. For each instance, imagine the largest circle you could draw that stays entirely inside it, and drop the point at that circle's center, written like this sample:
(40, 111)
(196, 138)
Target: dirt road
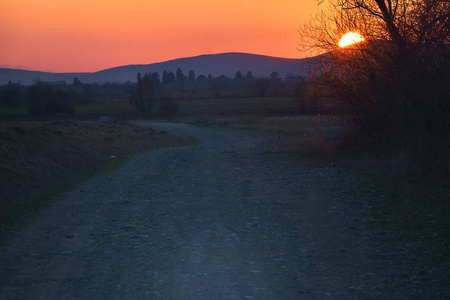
(227, 219)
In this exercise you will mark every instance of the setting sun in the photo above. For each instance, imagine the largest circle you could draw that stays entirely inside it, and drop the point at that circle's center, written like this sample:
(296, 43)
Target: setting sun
(350, 38)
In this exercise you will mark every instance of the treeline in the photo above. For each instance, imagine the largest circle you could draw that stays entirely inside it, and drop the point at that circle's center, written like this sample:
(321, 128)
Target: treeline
(55, 97)
(165, 90)
(40, 98)
(193, 87)
(151, 90)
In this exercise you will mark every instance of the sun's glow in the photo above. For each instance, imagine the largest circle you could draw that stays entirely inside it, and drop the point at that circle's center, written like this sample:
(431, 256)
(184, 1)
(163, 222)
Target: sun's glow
(92, 35)
(350, 38)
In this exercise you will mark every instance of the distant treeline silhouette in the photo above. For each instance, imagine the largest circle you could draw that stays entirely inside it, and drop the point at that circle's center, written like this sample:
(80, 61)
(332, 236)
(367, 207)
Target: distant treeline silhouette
(151, 89)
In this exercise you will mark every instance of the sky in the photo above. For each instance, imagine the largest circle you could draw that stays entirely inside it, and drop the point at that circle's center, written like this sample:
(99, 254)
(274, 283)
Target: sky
(93, 35)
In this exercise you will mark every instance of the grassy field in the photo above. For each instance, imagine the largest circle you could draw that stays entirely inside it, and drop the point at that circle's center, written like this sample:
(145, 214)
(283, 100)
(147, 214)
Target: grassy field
(119, 104)
(40, 159)
(13, 111)
(245, 105)
(302, 135)
(110, 108)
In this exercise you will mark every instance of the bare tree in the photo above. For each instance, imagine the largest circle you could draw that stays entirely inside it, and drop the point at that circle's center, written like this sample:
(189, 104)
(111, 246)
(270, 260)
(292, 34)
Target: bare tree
(394, 83)
(146, 92)
(407, 24)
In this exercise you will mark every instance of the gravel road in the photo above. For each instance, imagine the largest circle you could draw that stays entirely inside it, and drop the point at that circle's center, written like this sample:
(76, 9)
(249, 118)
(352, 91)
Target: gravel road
(227, 219)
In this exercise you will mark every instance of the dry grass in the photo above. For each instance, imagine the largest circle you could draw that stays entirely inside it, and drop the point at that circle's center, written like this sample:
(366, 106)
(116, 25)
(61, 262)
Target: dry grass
(294, 125)
(410, 205)
(303, 135)
(40, 158)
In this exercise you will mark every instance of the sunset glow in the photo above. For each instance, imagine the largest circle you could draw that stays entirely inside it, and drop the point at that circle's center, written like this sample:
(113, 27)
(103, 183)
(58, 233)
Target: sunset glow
(350, 38)
(91, 35)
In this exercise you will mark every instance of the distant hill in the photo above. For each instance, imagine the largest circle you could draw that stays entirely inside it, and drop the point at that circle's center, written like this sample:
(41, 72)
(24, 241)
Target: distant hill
(216, 64)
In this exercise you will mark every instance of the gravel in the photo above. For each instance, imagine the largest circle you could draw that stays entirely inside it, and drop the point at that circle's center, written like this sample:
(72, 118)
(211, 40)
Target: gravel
(227, 219)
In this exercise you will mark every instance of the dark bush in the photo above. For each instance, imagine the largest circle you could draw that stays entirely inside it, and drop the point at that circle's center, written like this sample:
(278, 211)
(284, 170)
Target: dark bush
(169, 107)
(145, 94)
(11, 97)
(44, 99)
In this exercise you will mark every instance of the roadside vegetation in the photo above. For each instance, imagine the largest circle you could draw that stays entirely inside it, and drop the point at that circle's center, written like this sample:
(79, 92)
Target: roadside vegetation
(40, 159)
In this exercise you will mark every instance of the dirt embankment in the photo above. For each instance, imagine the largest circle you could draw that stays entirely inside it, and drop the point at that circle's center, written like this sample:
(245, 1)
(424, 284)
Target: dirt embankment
(38, 158)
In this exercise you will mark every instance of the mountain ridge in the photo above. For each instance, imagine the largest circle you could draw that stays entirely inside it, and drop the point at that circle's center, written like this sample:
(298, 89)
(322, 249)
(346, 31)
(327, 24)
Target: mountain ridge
(215, 64)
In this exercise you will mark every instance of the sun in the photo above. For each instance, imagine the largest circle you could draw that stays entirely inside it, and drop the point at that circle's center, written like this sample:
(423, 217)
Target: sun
(350, 38)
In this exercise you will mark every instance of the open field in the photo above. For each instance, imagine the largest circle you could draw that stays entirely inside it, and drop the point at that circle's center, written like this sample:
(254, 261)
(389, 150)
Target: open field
(13, 111)
(41, 158)
(119, 104)
(289, 124)
(104, 104)
(245, 105)
(303, 135)
(113, 109)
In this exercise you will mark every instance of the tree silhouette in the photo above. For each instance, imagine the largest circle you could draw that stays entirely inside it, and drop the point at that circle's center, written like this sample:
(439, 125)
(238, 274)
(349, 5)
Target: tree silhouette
(191, 75)
(393, 84)
(146, 92)
(180, 75)
(76, 82)
(201, 77)
(406, 24)
(274, 75)
(168, 77)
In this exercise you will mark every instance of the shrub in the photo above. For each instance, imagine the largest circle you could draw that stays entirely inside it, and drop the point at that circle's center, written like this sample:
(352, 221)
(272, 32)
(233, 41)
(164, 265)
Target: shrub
(43, 99)
(11, 97)
(146, 92)
(169, 107)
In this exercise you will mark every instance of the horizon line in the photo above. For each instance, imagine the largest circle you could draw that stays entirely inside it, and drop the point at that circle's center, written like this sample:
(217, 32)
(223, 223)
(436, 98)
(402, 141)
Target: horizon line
(25, 68)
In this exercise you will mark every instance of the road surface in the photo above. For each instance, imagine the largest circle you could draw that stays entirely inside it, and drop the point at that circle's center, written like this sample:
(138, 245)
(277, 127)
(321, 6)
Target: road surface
(227, 219)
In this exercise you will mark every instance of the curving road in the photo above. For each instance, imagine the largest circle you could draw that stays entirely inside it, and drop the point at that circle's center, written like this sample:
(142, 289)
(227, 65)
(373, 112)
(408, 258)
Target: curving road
(227, 219)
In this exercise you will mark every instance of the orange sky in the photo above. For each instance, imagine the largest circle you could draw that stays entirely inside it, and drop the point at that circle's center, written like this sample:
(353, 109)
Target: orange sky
(92, 35)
